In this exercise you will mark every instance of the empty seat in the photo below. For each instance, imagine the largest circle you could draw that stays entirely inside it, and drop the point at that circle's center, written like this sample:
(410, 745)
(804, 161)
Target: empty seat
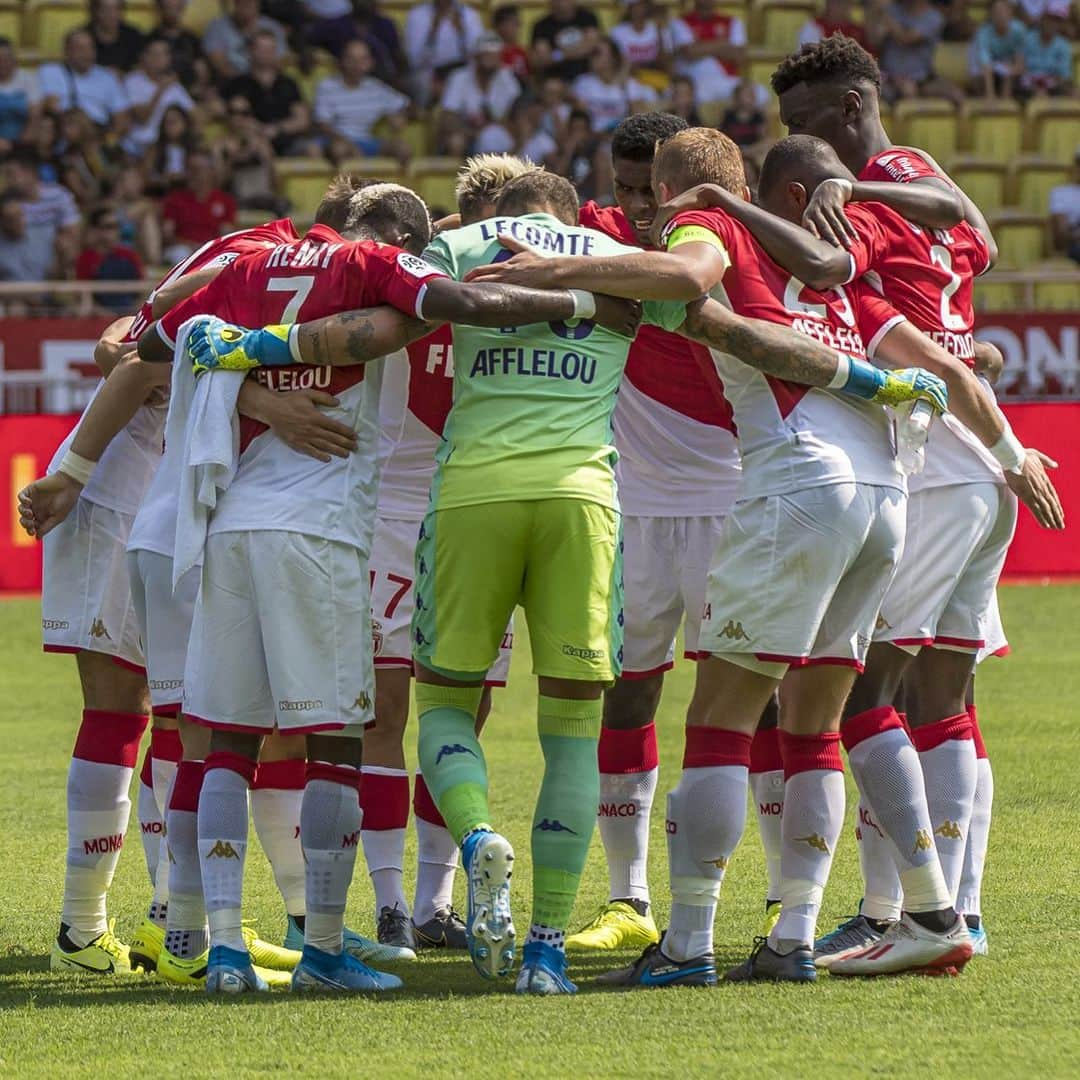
(52, 22)
(928, 124)
(984, 180)
(434, 179)
(11, 23)
(303, 182)
(1060, 291)
(951, 61)
(761, 63)
(993, 295)
(781, 21)
(993, 128)
(1033, 177)
(1054, 124)
(1021, 238)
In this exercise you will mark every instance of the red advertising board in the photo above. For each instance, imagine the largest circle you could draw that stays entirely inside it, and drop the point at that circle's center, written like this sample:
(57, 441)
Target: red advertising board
(1041, 350)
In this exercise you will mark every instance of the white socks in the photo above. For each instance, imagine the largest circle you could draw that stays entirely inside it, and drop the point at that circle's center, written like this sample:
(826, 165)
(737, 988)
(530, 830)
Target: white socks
(813, 819)
(275, 812)
(223, 832)
(437, 857)
(706, 815)
(767, 785)
(883, 898)
(384, 802)
(969, 898)
(186, 934)
(330, 832)
(628, 778)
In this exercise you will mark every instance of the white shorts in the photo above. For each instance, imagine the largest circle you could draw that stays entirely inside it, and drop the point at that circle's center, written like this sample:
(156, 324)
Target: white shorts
(86, 594)
(799, 578)
(665, 570)
(281, 636)
(943, 592)
(997, 644)
(165, 621)
(392, 565)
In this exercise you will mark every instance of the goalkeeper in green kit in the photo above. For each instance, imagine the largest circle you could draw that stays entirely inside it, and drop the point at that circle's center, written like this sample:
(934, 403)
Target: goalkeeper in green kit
(524, 510)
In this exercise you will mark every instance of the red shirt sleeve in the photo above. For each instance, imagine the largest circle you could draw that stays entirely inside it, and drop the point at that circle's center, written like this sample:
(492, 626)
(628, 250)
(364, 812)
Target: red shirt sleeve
(716, 221)
(897, 166)
(874, 315)
(86, 264)
(872, 238)
(392, 276)
(208, 299)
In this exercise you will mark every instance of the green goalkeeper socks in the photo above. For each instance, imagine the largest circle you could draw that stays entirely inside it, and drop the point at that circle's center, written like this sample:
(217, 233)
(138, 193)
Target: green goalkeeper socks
(450, 756)
(566, 809)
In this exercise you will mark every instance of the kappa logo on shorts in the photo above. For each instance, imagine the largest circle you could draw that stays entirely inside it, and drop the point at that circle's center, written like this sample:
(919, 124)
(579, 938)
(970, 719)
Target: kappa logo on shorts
(923, 841)
(166, 684)
(881, 623)
(97, 630)
(223, 850)
(55, 624)
(814, 841)
(583, 654)
(734, 631)
(554, 825)
(449, 749)
(363, 701)
(299, 706)
(950, 830)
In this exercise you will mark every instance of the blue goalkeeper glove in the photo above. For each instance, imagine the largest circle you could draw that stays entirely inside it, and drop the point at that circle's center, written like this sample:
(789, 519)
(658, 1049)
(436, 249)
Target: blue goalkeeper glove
(215, 345)
(894, 387)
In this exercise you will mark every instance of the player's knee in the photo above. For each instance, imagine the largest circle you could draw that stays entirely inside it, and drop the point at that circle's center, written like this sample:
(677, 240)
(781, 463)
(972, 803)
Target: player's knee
(110, 686)
(632, 703)
(195, 739)
(235, 742)
(879, 683)
(335, 749)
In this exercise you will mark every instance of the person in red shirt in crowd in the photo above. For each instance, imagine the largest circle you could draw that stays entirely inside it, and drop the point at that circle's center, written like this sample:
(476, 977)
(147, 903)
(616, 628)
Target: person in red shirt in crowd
(709, 46)
(506, 21)
(105, 259)
(835, 18)
(197, 213)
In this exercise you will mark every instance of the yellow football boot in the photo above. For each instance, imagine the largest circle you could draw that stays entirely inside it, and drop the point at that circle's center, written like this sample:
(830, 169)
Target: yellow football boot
(616, 926)
(192, 972)
(265, 955)
(772, 917)
(146, 946)
(105, 955)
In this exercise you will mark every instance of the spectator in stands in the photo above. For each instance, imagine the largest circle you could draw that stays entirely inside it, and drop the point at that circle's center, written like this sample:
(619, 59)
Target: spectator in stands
(45, 139)
(440, 36)
(22, 257)
(997, 52)
(909, 32)
(1064, 209)
(168, 161)
(20, 98)
(644, 42)
(1047, 59)
(228, 39)
(246, 157)
(530, 140)
(959, 25)
(607, 92)
(51, 216)
(79, 82)
(506, 22)
(475, 96)
(140, 224)
(709, 47)
(275, 98)
(744, 122)
(349, 105)
(835, 18)
(554, 107)
(118, 43)
(1032, 11)
(88, 164)
(198, 212)
(563, 40)
(152, 88)
(105, 258)
(681, 102)
(187, 56)
(581, 157)
(381, 34)
(329, 24)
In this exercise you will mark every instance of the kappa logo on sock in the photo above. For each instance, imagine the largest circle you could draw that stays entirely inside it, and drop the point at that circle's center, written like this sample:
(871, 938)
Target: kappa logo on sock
(867, 820)
(923, 841)
(554, 825)
(950, 830)
(734, 631)
(814, 841)
(449, 749)
(97, 630)
(720, 863)
(223, 850)
(350, 839)
(103, 845)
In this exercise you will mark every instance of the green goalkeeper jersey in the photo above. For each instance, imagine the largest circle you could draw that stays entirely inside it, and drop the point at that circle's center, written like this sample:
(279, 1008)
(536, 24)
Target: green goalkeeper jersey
(531, 417)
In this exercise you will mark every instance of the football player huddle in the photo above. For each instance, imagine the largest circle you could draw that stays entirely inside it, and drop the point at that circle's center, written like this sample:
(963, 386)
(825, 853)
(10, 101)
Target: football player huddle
(321, 468)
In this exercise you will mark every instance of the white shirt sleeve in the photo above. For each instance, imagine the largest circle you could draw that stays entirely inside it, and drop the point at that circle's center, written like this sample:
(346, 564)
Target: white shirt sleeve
(417, 26)
(322, 111)
(28, 80)
(680, 34)
(474, 28)
(456, 92)
(388, 99)
(738, 32)
(69, 212)
(51, 83)
(504, 92)
(118, 95)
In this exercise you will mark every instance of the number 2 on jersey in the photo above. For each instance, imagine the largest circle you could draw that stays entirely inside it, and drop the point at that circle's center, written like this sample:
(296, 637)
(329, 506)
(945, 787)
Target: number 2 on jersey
(949, 320)
(299, 286)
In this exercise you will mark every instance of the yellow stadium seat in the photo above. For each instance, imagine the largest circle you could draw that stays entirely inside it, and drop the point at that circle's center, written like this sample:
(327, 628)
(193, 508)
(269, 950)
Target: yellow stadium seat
(993, 128)
(983, 179)
(1055, 127)
(761, 63)
(993, 295)
(323, 67)
(11, 23)
(1061, 290)
(1076, 62)
(1021, 238)
(200, 13)
(375, 168)
(1033, 177)
(141, 13)
(52, 23)
(951, 61)
(434, 179)
(303, 182)
(781, 21)
(927, 123)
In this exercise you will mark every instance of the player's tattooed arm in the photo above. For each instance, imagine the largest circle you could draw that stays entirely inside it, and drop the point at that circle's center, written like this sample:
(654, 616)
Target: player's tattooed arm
(355, 337)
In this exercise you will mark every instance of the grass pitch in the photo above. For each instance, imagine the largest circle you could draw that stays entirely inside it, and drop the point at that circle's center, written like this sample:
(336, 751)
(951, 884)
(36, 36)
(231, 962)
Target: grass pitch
(1018, 1009)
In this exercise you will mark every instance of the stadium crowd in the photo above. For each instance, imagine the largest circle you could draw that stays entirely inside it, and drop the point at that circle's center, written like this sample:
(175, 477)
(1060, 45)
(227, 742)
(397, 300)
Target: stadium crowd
(136, 147)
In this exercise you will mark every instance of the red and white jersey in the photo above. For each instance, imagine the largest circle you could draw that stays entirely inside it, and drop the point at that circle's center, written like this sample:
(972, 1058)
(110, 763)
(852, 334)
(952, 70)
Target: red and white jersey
(276, 488)
(793, 436)
(416, 402)
(126, 469)
(674, 430)
(928, 275)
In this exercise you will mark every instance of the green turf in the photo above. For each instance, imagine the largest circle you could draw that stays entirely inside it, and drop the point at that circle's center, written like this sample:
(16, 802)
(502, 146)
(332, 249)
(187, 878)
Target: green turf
(1016, 1010)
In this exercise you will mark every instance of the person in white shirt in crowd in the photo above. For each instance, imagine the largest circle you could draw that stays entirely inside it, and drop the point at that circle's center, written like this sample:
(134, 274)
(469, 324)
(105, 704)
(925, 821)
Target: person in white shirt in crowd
(20, 97)
(21, 257)
(151, 88)
(79, 82)
(607, 91)
(475, 96)
(709, 47)
(1032, 11)
(52, 218)
(439, 36)
(1065, 214)
(645, 42)
(349, 105)
(227, 41)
